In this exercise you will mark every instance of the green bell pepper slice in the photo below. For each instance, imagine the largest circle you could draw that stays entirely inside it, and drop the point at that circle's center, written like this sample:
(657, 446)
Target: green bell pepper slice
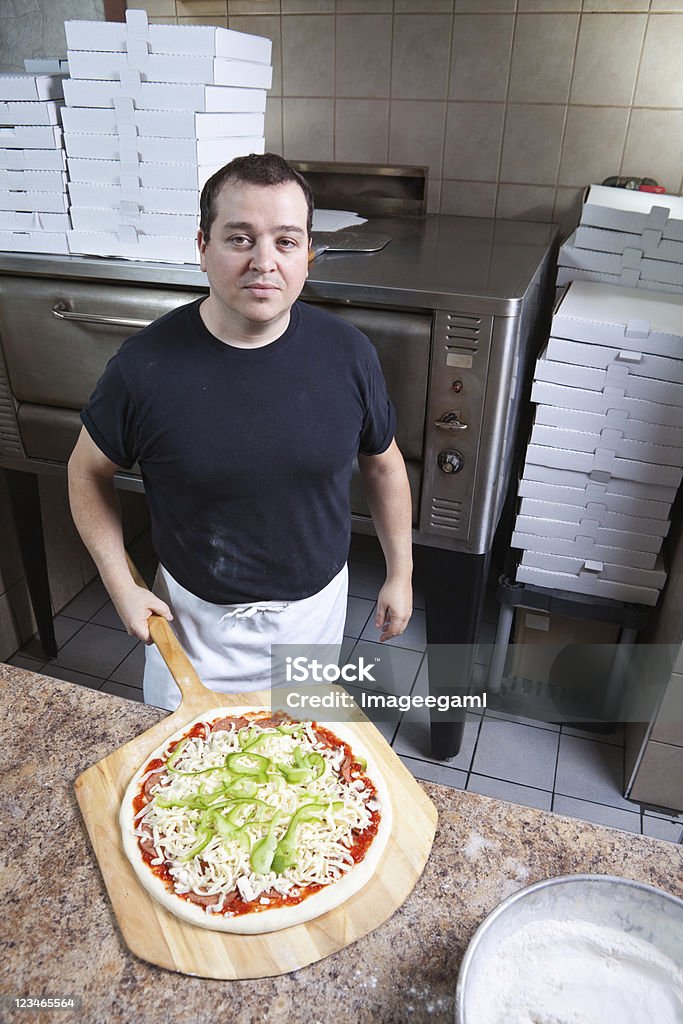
(263, 850)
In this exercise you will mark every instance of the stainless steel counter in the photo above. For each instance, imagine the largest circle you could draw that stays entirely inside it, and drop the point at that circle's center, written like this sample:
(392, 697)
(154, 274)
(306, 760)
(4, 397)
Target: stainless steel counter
(481, 266)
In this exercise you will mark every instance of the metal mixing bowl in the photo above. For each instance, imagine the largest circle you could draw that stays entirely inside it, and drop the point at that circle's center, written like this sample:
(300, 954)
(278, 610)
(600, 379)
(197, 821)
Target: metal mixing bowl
(646, 912)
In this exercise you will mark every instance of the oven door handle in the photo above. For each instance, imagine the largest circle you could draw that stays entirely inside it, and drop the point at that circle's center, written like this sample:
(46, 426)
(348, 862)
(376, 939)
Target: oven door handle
(62, 313)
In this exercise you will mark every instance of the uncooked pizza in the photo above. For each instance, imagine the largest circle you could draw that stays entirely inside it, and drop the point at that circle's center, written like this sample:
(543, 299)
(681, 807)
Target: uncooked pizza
(248, 822)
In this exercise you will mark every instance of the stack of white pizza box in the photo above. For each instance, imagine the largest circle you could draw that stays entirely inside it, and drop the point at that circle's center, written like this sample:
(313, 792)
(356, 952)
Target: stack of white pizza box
(151, 112)
(628, 238)
(605, 457)
(33, 195)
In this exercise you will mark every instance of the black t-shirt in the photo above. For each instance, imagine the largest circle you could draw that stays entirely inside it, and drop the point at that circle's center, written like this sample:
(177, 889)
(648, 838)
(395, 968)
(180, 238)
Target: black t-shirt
(246, 454)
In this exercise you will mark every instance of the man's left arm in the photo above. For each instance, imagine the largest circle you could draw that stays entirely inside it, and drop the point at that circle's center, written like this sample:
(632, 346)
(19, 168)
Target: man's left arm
(388, 495)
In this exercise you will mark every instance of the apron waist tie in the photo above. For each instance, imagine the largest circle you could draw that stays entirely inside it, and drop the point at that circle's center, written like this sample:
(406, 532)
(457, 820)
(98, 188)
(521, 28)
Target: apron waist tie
(248, 611)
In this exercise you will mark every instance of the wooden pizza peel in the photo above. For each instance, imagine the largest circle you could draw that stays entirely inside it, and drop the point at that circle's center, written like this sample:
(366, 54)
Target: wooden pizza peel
(156, 935)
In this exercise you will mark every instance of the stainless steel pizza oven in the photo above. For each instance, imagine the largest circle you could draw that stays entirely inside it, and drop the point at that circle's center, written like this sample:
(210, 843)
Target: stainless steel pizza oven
(454, 306)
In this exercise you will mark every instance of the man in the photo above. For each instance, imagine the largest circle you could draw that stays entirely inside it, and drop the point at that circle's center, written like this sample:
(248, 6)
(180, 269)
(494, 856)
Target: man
(245, 411)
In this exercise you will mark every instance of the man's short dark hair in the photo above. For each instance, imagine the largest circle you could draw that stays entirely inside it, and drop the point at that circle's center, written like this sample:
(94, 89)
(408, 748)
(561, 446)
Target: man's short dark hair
(254, 169)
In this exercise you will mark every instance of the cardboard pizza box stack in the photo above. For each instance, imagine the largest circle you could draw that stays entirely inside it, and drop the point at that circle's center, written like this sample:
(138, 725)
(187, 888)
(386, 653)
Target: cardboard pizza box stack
(33, 195)
(151, 112)
(628, 238)
(605, 457)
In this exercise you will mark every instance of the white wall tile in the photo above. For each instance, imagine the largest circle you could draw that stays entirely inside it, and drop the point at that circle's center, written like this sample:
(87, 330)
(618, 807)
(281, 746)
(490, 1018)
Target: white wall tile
(308, 55)
(268, 26)
(567, 210)
(468, 198)
(420, 56)
(474, 135)
(660, 82)
(525, 202)
(361, 132)
(480, 57)
(542, 57)
(363, 55)
(274, 125)
(531, 144)
(607, 58)
(308, 129)
(593, 143)
(416, 134)
(654, 147)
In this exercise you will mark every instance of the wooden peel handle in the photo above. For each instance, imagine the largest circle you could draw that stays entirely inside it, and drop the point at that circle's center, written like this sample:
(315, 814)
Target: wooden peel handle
(168, 645)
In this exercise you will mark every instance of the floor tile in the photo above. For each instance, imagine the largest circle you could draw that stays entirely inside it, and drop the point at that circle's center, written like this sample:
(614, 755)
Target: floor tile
(660, 828)
(430, 771)
(30, 664)
(413, 638)
(96, 650)
(613, 817)
(131, 669)
(517, 753)
(494, 713)
(615, 737)
(69, 675)
(348, 644)
(662, 812)
(65, 628)
(365, 579)
(108, 616)
(89, 601)
(387, 724)
(413, 739)
(396, 669)
(358, 610)
(510, 791)
(591, 770)
(119, 690)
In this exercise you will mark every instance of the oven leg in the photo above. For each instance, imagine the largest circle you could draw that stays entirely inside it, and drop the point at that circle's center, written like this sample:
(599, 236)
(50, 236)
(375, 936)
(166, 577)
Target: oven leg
(455, 586)
(25, 503)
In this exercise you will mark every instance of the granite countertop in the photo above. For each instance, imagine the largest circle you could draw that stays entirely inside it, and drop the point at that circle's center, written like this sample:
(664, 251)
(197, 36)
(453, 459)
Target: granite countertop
(60, 937)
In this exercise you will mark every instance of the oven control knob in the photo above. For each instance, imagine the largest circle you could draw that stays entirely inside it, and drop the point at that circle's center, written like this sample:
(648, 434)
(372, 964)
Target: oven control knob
(450, 461)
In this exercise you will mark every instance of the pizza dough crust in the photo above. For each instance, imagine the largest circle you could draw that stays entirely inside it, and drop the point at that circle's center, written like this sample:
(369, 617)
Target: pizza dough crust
(263, 921)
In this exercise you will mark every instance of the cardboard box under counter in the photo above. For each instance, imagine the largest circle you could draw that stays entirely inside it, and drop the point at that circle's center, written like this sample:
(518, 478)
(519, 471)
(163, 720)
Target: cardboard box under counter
(622, 209)
(165, 68)
(631, 263)
(195, 40)
(649, 242)
(185, 99)
(565, 275)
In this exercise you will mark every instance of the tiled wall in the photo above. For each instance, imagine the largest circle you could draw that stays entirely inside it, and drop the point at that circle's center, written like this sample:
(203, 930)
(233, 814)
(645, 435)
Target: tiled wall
(36, 29)
(515, 105)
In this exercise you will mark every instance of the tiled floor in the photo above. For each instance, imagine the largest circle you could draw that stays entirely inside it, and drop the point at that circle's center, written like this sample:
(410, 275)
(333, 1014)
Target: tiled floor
(502, 755)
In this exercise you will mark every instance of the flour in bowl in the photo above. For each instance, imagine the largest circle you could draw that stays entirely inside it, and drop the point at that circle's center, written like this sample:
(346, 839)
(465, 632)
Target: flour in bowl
(574, 972)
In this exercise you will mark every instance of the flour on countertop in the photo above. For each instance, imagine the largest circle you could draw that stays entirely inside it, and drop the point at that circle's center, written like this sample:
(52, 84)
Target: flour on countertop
(574, 972)
(476, 843)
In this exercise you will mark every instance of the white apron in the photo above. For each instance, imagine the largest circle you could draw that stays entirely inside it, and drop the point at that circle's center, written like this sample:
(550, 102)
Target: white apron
(229, 645)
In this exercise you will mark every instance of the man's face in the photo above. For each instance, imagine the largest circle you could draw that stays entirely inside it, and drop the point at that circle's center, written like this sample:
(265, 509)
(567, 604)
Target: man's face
(256, 258)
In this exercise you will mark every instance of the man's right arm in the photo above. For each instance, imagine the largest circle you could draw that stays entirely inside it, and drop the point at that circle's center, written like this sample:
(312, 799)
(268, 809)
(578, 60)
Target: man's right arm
(97, 515)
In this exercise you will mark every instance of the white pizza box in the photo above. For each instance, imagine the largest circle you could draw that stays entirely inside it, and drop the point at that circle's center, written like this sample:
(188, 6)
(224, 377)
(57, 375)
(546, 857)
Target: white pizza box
(33, 181)
(581, 400)
(33, 159)
(123, 119)
(628, 360)
(627, 279)
(633, 260)
(545, 519)
(622, 209)
(148, 200)
(34, 241)
(604, 460)
(46, 66)
(130, 244)
(132, 148)
(166, 68)
(37, 112)
(174, 225)
(586, 583)
(30, 87)
(612, 419)
(614, 377)
(571, 518)
(146, 175)
(623, 318)
(29, 136)
(186, 99)
(13, 220)
(613, 440)
(650, 243)
(613, 511)
(599, 482)
(135, 33)
(29, 202)
(582, 547)
(598, 568)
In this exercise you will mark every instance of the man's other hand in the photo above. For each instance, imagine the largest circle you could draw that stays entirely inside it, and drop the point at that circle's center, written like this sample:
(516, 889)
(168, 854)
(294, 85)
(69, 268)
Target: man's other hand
(394, 608)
